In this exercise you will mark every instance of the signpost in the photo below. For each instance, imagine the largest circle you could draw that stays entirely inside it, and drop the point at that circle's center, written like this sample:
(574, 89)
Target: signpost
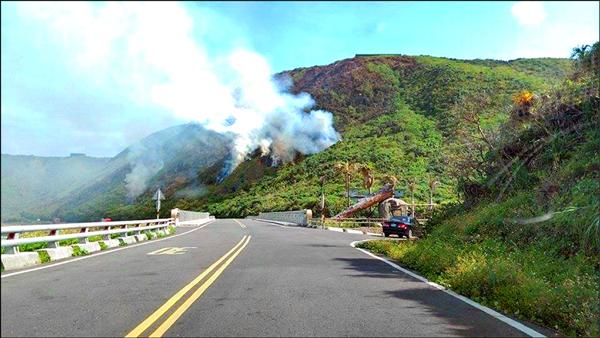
(158, 195)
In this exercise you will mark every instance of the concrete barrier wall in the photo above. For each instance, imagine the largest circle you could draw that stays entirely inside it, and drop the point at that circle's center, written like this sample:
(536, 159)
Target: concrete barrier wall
(301, 217)
(185, 215)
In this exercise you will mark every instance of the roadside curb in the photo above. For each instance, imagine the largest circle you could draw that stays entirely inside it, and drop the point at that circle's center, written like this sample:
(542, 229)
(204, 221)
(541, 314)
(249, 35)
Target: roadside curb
(20, 260)
(511, 322)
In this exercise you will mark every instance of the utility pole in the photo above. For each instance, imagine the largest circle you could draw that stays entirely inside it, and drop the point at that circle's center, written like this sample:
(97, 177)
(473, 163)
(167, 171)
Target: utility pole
(158, 195)
(433, 183)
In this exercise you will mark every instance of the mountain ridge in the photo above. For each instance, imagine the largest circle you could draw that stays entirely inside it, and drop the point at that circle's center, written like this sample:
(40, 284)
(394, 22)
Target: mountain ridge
(368, 96)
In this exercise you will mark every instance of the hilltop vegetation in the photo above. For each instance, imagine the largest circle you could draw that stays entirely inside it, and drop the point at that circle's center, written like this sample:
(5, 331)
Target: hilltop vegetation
(526, 238)
(399, 115)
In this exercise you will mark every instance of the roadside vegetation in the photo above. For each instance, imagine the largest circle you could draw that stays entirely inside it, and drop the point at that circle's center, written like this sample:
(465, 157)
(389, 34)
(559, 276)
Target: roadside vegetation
(78, 251)
(525, 238)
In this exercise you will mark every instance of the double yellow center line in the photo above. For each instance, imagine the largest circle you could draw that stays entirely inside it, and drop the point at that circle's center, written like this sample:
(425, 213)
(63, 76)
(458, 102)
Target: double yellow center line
(240, 223)
(172, 318)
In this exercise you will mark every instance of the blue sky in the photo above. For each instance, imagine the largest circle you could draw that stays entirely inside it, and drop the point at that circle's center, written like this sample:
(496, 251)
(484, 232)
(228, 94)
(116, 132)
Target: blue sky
(77, 77)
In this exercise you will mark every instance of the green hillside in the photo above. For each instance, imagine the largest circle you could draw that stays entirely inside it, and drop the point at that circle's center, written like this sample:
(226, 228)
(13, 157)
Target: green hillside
(87, 189)
(168, 159)
(526, 238)
(400, 115)
(29, 182)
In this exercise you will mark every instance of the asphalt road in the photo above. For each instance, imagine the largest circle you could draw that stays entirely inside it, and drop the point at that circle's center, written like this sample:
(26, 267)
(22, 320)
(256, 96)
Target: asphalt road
(277, 281)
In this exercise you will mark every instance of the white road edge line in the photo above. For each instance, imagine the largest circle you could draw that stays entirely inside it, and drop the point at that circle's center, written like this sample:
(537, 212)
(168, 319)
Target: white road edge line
(275, 223)
(528, 331)
(102, 252)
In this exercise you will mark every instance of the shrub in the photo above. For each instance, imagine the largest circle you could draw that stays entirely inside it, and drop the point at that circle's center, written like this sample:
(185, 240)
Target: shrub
(33, 246)
(68, 242)
(95, 238)
(78, 251)
(44, 257)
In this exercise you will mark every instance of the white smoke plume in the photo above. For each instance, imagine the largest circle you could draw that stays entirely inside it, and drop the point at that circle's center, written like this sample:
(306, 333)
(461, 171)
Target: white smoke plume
(149, 50)
(144, 163)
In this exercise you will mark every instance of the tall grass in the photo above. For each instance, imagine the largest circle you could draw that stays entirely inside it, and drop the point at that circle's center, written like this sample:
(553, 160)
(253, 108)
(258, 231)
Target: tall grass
(527, 283)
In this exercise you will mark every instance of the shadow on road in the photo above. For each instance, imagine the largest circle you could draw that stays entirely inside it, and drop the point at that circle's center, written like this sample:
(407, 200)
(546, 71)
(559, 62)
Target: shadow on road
(313, 245)
(371, 268)
(457, 316)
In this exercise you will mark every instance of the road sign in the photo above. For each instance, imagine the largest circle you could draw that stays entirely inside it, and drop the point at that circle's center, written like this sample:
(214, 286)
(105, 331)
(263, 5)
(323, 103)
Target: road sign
(158, 195)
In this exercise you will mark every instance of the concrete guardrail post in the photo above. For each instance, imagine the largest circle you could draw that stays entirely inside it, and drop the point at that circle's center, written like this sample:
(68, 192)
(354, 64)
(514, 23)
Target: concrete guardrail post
(107, 236)
(83, 240)
(54, 244)
(12, 249)
(175, 215)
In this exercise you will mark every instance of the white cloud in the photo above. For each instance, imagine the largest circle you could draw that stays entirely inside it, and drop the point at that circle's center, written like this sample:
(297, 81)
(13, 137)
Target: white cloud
(529, 13)
(565, 26)
(556, 40)
(148, 50)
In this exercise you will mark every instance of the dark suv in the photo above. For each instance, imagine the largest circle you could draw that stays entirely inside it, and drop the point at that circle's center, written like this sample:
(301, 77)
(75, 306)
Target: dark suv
(399, 225)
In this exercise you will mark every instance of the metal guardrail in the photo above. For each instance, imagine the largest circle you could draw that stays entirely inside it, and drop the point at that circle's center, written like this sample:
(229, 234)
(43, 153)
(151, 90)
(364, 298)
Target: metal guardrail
(13, 232)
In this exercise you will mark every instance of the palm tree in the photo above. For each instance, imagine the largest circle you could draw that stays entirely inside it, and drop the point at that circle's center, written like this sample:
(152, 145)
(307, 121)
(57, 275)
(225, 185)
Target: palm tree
(390, 179)
(412, 185)
(433, 183)
(582, 55)
(580, 52)
(368, 179)
(347, 169)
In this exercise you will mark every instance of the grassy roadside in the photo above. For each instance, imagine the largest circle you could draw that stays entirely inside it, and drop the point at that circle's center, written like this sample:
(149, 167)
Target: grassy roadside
(526, 283)
(526, 239)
